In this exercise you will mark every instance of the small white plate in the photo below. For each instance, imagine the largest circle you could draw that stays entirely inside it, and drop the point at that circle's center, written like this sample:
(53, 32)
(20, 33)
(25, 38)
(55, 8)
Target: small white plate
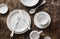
(46, 20)
(3, 8)
(29, 3)
(12, 18)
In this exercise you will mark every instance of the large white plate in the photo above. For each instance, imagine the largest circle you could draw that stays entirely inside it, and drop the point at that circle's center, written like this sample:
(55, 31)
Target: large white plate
(12, 18)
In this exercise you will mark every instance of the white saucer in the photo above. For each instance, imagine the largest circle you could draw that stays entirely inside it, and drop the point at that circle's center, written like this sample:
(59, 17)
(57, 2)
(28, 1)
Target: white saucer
(37, 23)
(12, 18)
(29, 3)
(3, 8)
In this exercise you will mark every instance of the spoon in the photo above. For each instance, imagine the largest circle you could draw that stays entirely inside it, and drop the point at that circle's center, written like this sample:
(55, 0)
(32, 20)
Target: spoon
(32, 11)
(18, 19)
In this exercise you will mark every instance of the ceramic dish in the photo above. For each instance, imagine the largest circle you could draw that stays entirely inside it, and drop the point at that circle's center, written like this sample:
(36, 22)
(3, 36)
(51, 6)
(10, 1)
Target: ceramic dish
(3, 8)
(47, 37)
(42, 22)
(22, 26)
(29, 3)
(35, 34)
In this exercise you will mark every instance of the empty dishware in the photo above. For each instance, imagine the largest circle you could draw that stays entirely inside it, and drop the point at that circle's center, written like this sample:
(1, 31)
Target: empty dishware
(32, 11)
(47, 37)
(3, 8)
(17, 23)
(42, 20)
(35, 34)
(29, 3)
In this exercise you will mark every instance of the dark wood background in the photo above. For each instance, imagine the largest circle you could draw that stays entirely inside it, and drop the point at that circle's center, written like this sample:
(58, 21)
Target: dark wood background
(52, 7)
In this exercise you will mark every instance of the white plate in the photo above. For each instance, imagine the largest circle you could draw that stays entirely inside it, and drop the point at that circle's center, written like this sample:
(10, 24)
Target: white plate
(11, 20)
(29, 3)
(38, 24)
(3, 8)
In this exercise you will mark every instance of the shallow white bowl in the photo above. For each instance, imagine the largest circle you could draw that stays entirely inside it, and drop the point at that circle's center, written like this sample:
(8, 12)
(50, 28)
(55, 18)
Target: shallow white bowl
(44, 21)
(29, 3)
(3, 8)
(12, 18)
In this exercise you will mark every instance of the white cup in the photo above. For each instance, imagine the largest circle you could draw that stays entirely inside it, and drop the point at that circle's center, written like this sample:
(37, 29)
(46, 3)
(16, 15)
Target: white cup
(29, 3)
(35, 34)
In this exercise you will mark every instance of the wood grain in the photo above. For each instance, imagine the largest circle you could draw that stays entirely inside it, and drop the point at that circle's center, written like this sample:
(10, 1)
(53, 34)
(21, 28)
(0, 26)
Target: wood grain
(53, 9)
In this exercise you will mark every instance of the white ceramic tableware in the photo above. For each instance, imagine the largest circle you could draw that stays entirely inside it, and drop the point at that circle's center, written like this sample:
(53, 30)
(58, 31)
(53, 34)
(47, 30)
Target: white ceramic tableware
(42, 19)
(35, 34)
(24, 22)
(23, 18)
(17, 21)
(3, 8)
(29, 3)
(32, 11)
(47, 37)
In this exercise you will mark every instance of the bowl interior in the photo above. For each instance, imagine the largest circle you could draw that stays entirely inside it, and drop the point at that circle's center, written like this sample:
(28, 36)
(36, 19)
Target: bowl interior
(34, 35)
(3, 8)
(42, 19)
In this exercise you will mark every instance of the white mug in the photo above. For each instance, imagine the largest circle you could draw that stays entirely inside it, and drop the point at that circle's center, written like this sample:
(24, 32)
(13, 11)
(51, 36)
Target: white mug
(35, 34)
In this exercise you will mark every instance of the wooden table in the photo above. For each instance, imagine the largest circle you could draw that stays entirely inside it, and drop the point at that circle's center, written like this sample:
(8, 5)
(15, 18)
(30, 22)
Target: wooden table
(52, 7)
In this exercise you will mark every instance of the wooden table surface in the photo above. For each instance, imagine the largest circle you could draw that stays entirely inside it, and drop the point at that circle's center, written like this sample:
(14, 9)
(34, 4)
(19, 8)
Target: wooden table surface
(53, 9)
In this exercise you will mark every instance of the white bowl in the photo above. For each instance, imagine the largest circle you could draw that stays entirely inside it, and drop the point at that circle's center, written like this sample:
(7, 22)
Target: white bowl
(42, 20)
(29, 3)
(3, 8)
(12, 18)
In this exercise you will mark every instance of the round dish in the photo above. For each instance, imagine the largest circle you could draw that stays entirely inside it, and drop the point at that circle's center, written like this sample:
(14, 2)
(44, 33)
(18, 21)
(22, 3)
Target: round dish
(29, 3)
(11, 20)
(35, 34)
(38, 24)
(3, 8)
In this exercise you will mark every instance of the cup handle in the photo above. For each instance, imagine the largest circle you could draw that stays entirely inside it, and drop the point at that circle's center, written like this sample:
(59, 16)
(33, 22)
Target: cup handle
(40, 32)
(11, 35)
